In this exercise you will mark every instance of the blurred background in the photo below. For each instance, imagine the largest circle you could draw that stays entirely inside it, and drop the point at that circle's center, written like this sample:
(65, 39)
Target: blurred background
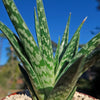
(11, 80)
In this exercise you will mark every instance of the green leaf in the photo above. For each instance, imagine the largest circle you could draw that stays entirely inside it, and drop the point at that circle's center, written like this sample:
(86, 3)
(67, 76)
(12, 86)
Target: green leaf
(18, 21)
(34, 94)
(26, 38)
(72, 93)
(90, 46)
(57, 56)
(70, 51)
(37, 28)
(72, 48)
(42, 66)
(91, 60)
(67, 81)
(86, 50)
(64, 41)
(45, 36)
(47, 52)
(19, 50)
(43, 70)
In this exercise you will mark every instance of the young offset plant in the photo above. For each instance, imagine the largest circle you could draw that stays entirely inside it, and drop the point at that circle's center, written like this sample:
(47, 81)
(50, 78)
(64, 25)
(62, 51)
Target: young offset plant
(49, 77)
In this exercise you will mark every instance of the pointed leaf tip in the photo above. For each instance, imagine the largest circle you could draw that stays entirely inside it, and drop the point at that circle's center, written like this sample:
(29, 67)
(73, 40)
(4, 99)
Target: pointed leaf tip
(85, 19)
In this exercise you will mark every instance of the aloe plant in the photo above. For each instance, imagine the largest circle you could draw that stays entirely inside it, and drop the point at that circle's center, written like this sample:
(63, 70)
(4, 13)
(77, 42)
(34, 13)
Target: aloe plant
(48, 76)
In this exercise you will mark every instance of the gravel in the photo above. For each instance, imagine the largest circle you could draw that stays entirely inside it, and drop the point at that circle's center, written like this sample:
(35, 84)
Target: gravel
(77, 96)
(18, 97)
(81, 96)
